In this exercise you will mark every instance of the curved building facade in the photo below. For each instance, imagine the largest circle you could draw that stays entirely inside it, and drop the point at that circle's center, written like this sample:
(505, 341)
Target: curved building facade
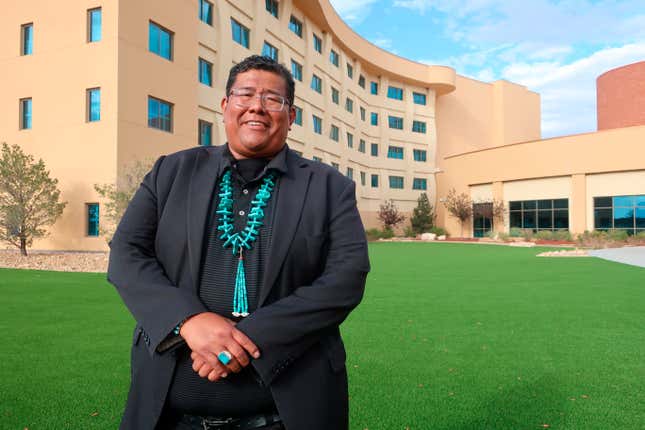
(621, 97)
(106, 84)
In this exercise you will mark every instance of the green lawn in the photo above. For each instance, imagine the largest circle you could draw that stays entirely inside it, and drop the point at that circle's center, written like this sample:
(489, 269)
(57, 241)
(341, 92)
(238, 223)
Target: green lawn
(449, 336)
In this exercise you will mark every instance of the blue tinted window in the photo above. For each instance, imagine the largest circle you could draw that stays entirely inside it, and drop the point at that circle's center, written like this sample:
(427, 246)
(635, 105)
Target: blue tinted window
(316, 84)
(94, 104)
(361, 146)
(419, 98)
(317, 124)
(361, 81)
(334, 95)
(396, 182)
(419, 155)
(333, 133)
(395, 122)
(317, 44)
(350, 71)
(374, 87)
(92, 219)
(206, 12)
(94, 20)
(349, 105)
(374, 118)
(374, 181)
(298, 120)
(270, 51)
(25, 114)
(160, 41)
(350, 140)
(27, 39)
(395, 152)
(623, 201)
(374, 149)
(205, 72)
(334, 58)
(205, 133)
(159, 114)
(272, 7)
(296, 71)
(418, 126)
(350, 173)
(419, 184)
(240, 33)
(395, 93)
(295, 26)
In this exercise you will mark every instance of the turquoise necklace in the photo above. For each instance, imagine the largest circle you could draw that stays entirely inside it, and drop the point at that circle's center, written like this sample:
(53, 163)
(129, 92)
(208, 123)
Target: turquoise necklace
(238, 241)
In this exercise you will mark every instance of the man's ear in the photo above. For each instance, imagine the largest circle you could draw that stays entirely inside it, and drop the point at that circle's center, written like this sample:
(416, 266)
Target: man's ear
(292, 116)
(224, 103)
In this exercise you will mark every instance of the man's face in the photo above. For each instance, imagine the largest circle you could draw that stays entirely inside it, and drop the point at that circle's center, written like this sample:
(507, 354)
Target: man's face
(253, 131)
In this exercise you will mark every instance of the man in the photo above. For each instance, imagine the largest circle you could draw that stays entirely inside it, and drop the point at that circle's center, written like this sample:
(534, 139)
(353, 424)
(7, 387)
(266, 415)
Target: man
(239, 263)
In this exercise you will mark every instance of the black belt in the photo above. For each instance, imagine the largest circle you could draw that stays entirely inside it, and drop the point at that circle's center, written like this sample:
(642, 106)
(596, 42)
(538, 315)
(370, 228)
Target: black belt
(224, 423)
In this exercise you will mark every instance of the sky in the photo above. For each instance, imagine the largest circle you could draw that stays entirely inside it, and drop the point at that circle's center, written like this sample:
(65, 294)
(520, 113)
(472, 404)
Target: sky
(554, 47)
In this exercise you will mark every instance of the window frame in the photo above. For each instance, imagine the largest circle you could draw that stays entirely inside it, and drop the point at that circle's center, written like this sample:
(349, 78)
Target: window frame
(27, 39)
(208, 19)
(244, 33)
(205, 66)
(162, 31)
(91, 25)
(201, 124)
(89, 94)
(295, 25)
(161, 103)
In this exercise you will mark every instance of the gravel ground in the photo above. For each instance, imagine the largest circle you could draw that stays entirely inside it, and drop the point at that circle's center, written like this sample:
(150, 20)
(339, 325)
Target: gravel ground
(62, 261)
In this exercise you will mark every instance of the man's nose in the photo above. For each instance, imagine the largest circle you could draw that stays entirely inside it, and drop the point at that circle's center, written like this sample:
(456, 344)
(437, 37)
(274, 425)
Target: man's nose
(256, 104)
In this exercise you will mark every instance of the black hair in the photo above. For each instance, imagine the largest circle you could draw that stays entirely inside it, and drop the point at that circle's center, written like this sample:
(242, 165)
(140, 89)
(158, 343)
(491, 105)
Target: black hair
(259, 62)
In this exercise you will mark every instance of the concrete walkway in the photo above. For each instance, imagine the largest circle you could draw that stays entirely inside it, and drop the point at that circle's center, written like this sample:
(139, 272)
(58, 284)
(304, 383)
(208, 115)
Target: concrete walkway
(633, 255)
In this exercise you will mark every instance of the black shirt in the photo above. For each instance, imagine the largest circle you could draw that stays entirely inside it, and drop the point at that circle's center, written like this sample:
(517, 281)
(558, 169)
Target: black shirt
(242, 393)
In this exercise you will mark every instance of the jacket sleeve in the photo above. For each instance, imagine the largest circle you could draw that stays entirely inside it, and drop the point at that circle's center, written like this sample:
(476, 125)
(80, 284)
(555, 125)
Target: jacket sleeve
(155, 302)
(285, 329)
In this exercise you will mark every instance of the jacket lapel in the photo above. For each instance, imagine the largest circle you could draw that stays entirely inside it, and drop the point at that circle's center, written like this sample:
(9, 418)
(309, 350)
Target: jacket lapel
(291, 197)
(200, 191)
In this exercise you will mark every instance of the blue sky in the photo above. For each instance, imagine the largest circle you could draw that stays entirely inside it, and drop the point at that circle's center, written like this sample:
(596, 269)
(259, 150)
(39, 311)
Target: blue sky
(556, 48)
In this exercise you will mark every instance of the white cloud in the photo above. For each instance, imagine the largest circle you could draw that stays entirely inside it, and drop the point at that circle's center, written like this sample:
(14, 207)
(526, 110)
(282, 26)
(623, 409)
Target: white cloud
(352, 11)
(382, 42)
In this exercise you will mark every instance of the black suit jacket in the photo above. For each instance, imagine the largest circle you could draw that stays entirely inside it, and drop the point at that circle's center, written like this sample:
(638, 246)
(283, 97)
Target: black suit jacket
(315, 276)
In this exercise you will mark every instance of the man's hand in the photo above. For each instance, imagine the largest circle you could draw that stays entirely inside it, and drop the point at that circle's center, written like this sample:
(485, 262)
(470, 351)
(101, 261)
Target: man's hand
(208, 334)
(205, 370)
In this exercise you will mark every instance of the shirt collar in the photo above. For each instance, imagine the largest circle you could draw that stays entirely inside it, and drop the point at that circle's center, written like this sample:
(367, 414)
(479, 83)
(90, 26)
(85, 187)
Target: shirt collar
(278, 163)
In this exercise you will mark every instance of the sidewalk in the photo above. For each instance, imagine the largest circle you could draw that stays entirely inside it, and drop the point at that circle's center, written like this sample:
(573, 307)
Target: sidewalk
(633, 255)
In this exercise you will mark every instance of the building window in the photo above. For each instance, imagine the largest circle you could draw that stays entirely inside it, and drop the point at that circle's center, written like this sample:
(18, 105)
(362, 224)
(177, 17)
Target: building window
(270, 51)
(395, 152)
(93, 103)
(482, 219)
(160, 41)
(363, 175)
(25, 114)
(350, 140)
(334, 58)
(317, 44)
(374, 181)
(361, 146)
(419, 184)
(374, 118)
(350, 71)
(205, 133)
(334, 133)
(361, 81)
(550, 214)
(317, 124)
(298, 120)
(395, 122)
(625, 213)
(27, 39)
(272, 7)
(205, 72)
(419, 127)
(240, 33)
(374, 149)
(295, 25)
(92, 219)
(362, 111)
(395, 93)
(419, 154)
(316, 84)
(296, 70)
(350, 173)
(335, 165)
(349, 105)
(396, 182)
(374, 88)
(316, 158)
(206, 12)
(419, 98)
(94, 25)
(334, 95)
(159, 114)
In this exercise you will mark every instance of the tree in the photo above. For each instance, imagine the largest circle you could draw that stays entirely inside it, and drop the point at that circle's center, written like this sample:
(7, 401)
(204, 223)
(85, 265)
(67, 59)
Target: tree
(423, 215)
(117, 195)
(495, 209)
(29, 198)
(389, 215)
(459, 206)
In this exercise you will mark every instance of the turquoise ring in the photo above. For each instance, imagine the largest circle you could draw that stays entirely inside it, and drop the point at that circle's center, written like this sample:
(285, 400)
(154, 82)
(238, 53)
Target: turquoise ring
(224, 357)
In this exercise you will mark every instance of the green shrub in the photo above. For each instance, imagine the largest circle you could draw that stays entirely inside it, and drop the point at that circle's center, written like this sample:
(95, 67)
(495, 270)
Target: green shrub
(515, 232)
(387, 233)
(527, 234)
(373, 234)
(409, 232)
(504, 237)
(438, 231)
(562, 234)
(617, 235)
(544, 235)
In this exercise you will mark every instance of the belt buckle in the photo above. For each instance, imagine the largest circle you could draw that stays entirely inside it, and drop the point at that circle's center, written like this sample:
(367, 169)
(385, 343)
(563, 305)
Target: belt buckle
(215, 423)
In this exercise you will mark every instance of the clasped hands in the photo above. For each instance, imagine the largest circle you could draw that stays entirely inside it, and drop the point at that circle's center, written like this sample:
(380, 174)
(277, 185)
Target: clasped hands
(207, 334)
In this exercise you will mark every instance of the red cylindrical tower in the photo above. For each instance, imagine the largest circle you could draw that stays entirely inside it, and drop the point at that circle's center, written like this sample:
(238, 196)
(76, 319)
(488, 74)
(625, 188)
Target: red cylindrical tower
(621, 97)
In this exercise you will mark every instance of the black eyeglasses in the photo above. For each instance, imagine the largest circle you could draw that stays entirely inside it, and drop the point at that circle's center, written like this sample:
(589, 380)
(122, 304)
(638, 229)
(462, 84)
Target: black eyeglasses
(243, 97)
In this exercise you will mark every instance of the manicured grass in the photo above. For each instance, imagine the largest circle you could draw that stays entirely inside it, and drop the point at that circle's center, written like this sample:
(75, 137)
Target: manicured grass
(449, 336)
